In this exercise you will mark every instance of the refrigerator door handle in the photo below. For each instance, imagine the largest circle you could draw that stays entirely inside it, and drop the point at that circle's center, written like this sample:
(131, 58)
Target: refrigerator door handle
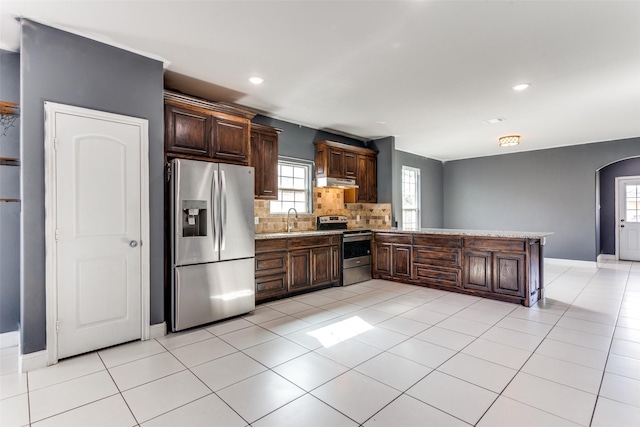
(214, 211)
(177, 229)
(223, 203)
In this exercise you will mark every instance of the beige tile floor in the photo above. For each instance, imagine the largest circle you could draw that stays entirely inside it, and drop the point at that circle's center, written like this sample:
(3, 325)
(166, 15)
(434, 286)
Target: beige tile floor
(373, 354)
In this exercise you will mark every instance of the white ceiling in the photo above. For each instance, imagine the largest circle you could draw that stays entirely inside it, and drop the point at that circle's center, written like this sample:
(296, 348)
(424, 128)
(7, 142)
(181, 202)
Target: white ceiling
(427, 72)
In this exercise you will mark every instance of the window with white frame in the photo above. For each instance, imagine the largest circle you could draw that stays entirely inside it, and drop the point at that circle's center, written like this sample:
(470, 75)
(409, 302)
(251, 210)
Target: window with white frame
(410, 197)
(294, 186)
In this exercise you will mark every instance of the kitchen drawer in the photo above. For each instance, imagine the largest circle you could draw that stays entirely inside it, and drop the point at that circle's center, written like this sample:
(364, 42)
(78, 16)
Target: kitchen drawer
(405, 239)
(437, 241)
(431, 275)
(266, 245)
(271, 286)
(495, 245)
(310, 241)
(437, 256)
(271, 262)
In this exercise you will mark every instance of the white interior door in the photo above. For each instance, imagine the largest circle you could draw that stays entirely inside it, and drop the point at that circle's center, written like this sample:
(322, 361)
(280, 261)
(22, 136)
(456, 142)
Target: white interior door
(99, 227)
(629, 221)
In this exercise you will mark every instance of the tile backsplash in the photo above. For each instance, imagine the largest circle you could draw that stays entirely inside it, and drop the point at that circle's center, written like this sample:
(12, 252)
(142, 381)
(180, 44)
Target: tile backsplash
(326, 201)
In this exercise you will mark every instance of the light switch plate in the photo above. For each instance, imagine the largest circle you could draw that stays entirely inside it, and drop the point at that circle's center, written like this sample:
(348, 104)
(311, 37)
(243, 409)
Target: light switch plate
(358, 218)
(386, 218)
(256, 220)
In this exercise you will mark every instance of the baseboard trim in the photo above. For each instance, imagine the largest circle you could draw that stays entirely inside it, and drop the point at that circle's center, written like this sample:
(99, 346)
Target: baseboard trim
(606, 257)
(571, 262)
(158, 330)
(33, 361)
(9, 339)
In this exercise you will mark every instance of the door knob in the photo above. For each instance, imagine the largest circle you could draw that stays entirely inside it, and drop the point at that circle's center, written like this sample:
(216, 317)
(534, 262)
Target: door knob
(133, 243)
(622, 226)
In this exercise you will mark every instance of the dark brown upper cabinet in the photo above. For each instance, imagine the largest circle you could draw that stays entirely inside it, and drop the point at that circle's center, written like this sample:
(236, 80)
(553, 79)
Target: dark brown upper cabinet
(204, 130)
(337, 160)
(264, 159)
(187, 131)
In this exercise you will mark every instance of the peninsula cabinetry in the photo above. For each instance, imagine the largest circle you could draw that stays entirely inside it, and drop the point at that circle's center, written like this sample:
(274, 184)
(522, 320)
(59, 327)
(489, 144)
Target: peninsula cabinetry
(264, 159)
(336, 160)
(293, 265)
(204, 130)
(508, 269)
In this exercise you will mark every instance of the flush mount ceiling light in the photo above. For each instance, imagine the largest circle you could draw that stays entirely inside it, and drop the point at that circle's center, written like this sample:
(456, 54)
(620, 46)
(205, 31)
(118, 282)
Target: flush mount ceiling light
(521, 86)
(256, 80)
(509, 140)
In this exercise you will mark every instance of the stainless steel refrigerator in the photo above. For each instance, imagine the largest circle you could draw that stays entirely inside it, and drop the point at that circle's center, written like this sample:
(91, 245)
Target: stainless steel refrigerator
(212, 242)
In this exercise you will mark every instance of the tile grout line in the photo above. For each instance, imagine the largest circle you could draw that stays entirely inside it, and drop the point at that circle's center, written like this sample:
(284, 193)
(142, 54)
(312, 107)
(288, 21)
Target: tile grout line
(604, 370)
(118, 388)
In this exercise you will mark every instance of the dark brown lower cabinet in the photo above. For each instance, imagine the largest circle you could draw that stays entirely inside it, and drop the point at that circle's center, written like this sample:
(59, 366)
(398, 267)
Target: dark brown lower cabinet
(382, 259)
(320, 266)
(299, 270)
(401, 256)
(391, 260)
(392, 256)
(508, 272)
(336, 264)
(293, 265)
(497, 266)
(477, 270)
(271, 286)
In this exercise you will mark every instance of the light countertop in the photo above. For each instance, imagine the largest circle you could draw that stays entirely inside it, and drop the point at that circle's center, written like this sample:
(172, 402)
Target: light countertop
(471, 233)
(441, 231)
(284, 235)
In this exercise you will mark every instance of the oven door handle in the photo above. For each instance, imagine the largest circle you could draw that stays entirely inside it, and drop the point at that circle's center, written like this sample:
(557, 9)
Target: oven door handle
(356, 237)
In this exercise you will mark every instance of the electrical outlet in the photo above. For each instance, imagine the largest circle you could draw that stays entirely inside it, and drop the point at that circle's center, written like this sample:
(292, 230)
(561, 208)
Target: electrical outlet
(386, 218)
(256, 220)
(357, 218)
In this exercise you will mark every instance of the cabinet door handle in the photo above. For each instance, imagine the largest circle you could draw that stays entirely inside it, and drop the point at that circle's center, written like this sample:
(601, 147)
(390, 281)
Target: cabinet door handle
(267, 191)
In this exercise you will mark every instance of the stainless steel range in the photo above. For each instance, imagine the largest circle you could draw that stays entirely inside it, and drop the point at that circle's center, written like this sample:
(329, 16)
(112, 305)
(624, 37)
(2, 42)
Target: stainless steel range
(356, 249)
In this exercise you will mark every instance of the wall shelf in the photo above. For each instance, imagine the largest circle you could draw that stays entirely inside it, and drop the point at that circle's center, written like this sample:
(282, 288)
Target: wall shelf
(8, 116)
(9, 161)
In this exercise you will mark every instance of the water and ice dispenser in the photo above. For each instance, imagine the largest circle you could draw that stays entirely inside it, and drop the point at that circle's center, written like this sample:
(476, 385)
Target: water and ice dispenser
(194, 218)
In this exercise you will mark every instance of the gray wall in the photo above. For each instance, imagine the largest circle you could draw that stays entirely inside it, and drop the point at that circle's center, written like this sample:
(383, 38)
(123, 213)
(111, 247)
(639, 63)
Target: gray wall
(61, 67)
(297, 141)
(386, 148)
(10, 189)
(545, 190)
(607, 193)
(431, 185)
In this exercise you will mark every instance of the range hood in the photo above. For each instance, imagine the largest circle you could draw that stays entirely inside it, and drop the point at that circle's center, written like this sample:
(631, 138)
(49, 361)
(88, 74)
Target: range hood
(336, 182)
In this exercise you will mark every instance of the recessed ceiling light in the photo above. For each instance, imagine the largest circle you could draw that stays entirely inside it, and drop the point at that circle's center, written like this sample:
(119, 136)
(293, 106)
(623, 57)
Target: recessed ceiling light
(494, 121)
(521, 86)
(381, 122)
(509, 140)
(256, 80)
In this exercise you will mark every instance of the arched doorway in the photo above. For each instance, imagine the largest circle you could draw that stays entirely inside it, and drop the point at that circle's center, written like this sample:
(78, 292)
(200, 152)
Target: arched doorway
(607, 228)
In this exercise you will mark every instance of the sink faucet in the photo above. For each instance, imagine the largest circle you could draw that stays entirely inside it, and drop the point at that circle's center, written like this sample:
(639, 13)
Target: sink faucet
(288, 213)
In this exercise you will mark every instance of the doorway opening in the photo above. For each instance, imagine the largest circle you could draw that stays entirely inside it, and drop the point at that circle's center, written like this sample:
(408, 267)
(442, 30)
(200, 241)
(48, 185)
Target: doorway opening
(607, 205)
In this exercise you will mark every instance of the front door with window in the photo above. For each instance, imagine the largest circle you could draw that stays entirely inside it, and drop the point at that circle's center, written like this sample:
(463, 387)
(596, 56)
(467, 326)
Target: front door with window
(629, 221)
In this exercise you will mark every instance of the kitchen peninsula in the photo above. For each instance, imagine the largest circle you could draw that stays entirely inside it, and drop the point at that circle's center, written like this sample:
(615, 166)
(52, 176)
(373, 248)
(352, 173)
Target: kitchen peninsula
(502, 265)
